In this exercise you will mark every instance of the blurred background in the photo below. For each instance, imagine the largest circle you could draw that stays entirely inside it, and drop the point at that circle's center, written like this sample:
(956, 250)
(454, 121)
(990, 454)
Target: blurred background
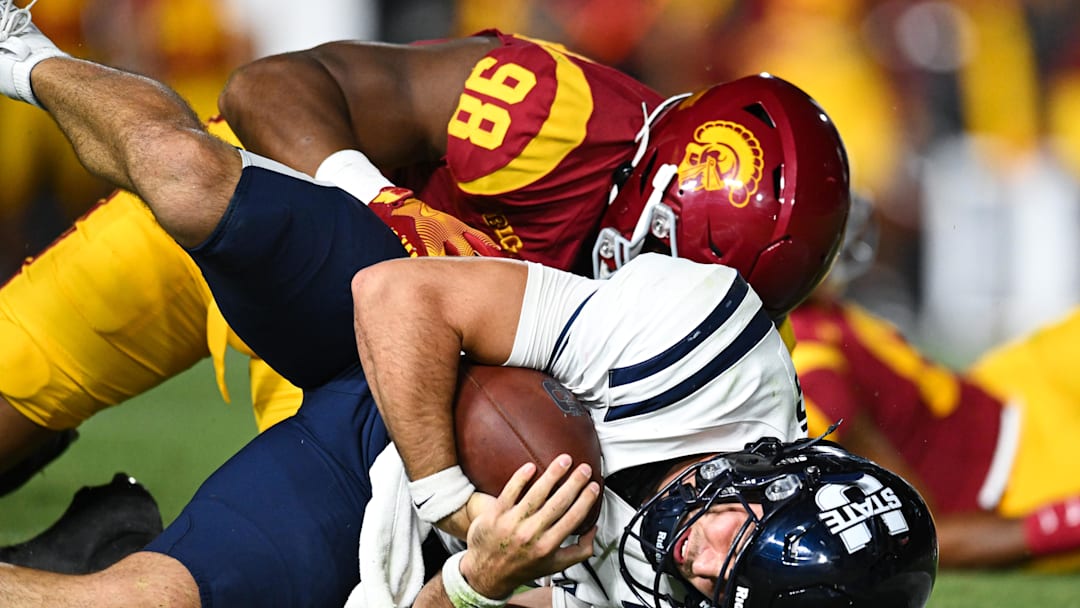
(961, 117)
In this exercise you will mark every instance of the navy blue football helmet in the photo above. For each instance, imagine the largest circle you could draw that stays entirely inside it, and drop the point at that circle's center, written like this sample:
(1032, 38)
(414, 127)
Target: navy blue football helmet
(834, 530)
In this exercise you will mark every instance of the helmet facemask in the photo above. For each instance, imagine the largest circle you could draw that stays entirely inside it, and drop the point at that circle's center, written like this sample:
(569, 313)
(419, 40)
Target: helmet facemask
(612, 250)
(746, 478)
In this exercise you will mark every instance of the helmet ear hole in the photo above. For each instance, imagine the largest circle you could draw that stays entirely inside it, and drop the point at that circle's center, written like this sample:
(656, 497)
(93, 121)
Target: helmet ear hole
(646, 175)
(778, 181)
(759, 111)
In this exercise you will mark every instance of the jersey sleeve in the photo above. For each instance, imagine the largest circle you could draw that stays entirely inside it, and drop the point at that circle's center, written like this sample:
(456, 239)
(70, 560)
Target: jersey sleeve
(551, 301)
(530, 107)
(672, 357)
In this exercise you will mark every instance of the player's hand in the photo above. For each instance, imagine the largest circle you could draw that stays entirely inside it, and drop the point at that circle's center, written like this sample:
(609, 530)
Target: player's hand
(429, 232)
(457, 523)
(518, 538)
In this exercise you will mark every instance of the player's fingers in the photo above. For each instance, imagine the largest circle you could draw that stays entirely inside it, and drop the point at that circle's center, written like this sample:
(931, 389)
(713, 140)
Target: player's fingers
(575, 553)
(538, 493)
(566, 519)
(482, 245)
(514, 486)
(450, 247)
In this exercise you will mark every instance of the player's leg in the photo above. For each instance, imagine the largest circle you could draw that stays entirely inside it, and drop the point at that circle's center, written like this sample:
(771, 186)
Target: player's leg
(129, 130)
(286, 510)
(108, 311)
(280, 264)
(140, 580)
(141, 136)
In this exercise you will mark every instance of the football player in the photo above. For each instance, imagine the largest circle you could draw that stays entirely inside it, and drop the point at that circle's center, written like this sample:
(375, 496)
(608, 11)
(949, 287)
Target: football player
(555, 158)
(277, 524)
(1011, 490)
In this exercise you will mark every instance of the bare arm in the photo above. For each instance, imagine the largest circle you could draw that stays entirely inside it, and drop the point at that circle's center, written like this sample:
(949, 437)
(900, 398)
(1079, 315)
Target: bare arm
(980, 540)
(413, 318)
(392, 102)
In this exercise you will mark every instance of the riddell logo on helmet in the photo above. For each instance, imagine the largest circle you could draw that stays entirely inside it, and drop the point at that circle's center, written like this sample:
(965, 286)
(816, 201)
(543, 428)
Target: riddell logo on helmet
(723, 156)
(741, 595)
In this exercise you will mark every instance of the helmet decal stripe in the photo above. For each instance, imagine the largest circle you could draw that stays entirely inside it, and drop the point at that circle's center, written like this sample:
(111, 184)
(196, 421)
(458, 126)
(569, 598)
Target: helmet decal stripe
(720, 315)
(750, 337)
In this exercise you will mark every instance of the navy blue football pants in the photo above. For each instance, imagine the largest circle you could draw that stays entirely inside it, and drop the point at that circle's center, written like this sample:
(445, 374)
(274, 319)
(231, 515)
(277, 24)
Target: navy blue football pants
(279, 523)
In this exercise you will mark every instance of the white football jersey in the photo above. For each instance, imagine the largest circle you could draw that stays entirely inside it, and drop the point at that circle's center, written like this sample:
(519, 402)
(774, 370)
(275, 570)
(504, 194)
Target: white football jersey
(673, 359)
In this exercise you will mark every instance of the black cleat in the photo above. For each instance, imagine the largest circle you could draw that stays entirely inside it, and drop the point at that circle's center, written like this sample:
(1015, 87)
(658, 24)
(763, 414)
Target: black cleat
(102, 525)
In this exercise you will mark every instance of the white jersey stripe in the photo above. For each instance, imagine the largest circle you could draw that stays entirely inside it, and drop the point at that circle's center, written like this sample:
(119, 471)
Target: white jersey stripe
(749, 338)
(716, 319)
(560, 342)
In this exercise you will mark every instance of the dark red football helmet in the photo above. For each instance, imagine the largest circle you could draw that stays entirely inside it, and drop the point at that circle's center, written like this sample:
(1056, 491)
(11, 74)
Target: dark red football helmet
(750, 173)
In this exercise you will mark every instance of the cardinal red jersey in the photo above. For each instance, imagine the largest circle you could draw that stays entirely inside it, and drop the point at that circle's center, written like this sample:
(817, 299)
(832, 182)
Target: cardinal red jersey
(944, 426)
(532, 148)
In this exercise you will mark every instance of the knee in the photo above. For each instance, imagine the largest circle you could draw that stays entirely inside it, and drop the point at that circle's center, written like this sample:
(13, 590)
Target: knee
(143, 579)
(247, 84)
(191, 182)
(371, 285)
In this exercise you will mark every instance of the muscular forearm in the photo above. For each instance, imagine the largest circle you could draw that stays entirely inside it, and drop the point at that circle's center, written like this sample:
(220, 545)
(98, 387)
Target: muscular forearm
(410, 358)
(413, 318)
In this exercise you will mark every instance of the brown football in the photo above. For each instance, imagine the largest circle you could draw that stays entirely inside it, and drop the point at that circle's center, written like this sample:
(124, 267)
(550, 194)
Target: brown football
(507, 416)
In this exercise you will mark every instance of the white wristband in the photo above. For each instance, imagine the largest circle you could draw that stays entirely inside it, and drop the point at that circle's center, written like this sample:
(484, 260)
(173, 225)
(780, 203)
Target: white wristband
(436, 496)
(351, 171)
(461, 594)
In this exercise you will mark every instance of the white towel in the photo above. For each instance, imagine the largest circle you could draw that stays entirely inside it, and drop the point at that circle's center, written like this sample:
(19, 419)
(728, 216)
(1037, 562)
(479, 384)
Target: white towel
(391, 559)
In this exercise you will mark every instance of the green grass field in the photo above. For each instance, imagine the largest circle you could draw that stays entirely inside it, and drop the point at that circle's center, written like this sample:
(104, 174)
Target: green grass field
(173, 437)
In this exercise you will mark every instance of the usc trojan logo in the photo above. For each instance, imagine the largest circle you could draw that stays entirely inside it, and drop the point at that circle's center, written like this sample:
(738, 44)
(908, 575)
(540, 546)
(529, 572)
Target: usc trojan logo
(847, 507)
(723, 156)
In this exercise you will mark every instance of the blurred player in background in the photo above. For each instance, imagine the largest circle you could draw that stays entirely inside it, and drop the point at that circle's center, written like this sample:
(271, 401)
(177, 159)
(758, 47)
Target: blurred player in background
(992, 449)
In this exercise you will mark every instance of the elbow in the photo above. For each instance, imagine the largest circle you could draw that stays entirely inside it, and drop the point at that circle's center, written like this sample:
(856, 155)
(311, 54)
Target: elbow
(244, 86)
(264, 82)
(374, 287)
